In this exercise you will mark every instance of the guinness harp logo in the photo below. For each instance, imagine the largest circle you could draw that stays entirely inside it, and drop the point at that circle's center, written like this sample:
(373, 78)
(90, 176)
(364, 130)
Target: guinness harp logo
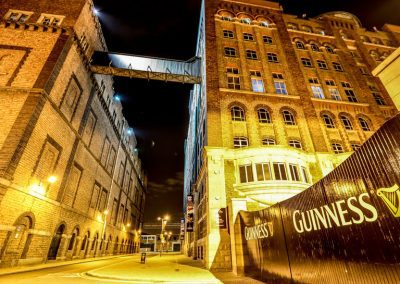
(391, 197)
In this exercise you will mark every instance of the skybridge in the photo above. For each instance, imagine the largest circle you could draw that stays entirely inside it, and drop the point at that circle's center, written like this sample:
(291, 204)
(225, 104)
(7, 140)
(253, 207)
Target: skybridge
(150, 68)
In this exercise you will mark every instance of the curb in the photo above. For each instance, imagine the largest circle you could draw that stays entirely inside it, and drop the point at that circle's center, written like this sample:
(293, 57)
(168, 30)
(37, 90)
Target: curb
(63, 263)
(144, 281)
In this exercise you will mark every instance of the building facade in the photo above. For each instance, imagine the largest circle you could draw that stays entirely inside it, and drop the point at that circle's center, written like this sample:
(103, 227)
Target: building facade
(283, 101)
(389, 73)
(71, 183)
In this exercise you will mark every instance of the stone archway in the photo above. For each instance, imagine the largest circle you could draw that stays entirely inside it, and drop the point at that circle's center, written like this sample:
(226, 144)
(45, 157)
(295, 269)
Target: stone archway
(55, 243)
(17, 242)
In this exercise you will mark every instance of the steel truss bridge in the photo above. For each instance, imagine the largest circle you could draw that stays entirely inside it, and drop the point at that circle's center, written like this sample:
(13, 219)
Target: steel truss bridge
(150, 68)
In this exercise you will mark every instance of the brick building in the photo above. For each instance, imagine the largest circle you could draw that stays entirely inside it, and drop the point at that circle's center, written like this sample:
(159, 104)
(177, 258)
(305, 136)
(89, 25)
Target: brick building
(71, 183)
(284, 100)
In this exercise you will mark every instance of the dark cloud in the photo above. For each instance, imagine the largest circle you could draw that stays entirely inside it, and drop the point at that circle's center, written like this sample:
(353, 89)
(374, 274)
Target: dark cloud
(168, 186)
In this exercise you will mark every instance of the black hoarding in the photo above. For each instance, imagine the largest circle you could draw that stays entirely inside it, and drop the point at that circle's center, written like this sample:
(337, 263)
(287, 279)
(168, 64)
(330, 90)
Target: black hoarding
(343, 229)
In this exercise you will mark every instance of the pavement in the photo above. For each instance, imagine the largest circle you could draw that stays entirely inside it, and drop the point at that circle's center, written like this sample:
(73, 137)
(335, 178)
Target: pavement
(169, 268)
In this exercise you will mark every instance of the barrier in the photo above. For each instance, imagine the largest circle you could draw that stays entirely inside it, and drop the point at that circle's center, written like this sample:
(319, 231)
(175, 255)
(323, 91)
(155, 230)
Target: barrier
(343, 229)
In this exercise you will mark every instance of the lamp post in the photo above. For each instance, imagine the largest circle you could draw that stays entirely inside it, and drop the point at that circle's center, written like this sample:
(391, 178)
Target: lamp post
(163, 225)
(102, 218)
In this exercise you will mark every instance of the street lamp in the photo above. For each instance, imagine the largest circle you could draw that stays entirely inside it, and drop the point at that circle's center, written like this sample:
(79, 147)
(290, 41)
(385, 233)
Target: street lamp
(163, 225)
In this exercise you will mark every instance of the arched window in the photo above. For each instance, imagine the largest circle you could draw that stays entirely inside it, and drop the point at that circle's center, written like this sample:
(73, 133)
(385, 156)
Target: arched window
(72, 240)
(329, 49)
(264, 116)
(237, 114)
(346, 122)
(364, 124)
(328, 121)
(268, 141)
(246, 21)
(295, 144)
(314, 47)
(288, 118)
(300, 45)
(265, 23)
(240, 142)
(337, 148)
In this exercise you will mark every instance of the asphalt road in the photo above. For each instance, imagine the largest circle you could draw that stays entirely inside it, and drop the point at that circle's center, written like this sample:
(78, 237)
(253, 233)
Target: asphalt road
(73, 273)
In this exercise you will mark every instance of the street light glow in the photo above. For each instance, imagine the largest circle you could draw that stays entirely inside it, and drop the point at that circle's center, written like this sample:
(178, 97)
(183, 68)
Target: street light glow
(52, 179)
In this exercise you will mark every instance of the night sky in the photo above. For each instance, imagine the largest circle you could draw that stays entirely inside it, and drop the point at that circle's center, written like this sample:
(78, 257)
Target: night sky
(158, 111)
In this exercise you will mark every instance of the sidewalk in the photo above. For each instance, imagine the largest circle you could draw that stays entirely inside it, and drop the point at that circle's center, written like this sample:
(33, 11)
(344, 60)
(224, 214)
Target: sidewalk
(19, 269)
(166, 269)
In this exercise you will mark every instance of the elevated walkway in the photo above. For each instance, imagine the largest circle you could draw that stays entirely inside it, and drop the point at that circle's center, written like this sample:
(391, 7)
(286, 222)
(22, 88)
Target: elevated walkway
(150, 68)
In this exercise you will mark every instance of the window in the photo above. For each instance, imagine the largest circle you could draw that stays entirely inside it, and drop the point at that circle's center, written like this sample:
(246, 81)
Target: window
(246, 173)
(280, 85)
(355, 146)
(120, 176)
(305, 175)
(295, 144)
(349, 92)
(105, 151)
(228, 34)
(350, 95)
(232, 71)
(95, 195)
(272, 57)
(267, 39)
(18, 16)
(288, 118)
(233, 78)
(306, 62)
(50, 20)
(330, 82)
(263, 172)
(251, 54)
(257, 85)
(265, 24)
(264, 116)
(255, 73)
(73, 184)
(322, 64)
(294, 172)
(346, 122)
(280, 171)
(335, 95)
(337, 148)
(300, 45)
(237, 114)
(248, 37)
(317, 91)
(268, 142)
(111, 160)
(363, 124)
(71, 98)
(246, 21)
(89, 128)
(337, 67)
(307, 29)
(227, 18)
(315, 47)
(230, 52)
(378, 99)
(47, 159)
(103, 201)
(313, 80)
(329, 49)
(240, 142)
(328, 121)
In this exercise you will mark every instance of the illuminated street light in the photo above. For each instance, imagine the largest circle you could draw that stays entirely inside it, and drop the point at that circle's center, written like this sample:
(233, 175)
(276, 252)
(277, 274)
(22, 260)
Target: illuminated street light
(52, 179)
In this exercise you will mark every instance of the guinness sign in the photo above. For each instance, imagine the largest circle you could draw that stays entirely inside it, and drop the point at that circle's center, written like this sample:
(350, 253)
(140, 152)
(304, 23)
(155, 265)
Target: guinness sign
(345, 228)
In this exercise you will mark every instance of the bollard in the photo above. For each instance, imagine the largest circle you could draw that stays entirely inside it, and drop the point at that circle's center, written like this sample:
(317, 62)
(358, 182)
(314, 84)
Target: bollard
(143, 258)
